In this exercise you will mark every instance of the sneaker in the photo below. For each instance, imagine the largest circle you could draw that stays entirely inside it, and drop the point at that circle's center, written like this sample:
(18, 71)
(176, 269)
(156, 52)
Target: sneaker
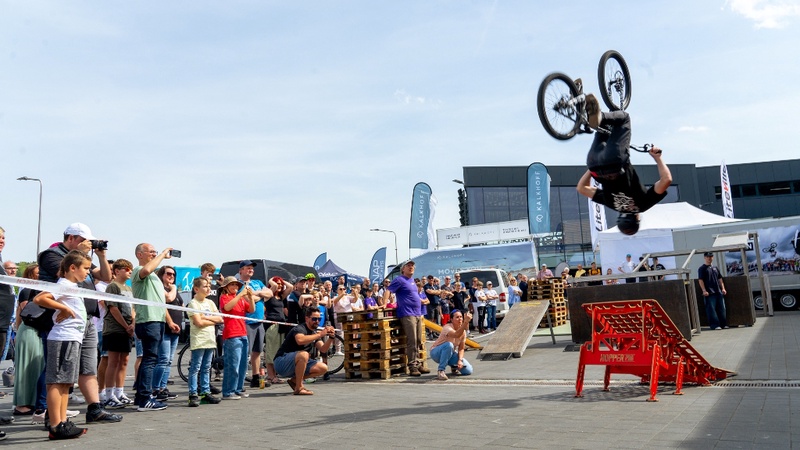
(65, 430)
(326, 377)
(3, 435)
(725, 327)
(38, 417)
(424, 370)
(72, 413)
(255, 382)
(215, 390)
(231, 397)
(718, 328)
(414, 371)
(170, 395)
(101, 415)
(208, 399)
(7, 420)
(77, 399)
(454, 370)
(152, 405)
(243, 394)
(124, 400)
(194, 400)
(441, 376)
(113, 403)
(593, 112)
(339, 353)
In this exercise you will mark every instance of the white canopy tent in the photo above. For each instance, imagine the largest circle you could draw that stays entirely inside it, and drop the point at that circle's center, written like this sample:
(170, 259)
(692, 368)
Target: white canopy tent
(655, 234)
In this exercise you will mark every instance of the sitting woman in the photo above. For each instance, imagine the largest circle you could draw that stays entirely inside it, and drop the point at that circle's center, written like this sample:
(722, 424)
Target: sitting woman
(448, 350)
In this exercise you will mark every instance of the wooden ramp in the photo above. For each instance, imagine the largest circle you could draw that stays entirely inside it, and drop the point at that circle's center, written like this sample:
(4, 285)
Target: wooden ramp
(516, 330)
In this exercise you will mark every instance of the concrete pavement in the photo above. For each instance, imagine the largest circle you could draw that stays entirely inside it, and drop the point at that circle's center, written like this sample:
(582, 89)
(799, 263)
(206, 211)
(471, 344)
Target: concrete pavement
(520, 403)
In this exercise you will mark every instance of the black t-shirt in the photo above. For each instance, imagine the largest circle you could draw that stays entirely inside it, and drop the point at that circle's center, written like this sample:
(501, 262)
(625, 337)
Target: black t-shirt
(459, 300)
(523, 286)
(626, 194)
(274, 309)
(6, 302)
(433, 298)
(290, 344)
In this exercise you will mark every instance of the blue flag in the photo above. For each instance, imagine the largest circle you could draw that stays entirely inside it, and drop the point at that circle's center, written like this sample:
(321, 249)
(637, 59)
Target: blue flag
(420, 216)
(538, 199)
(320, 261)
(377, 268)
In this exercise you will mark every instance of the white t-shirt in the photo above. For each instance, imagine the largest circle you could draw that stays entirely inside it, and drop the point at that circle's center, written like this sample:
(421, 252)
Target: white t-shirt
(480, 296)
(71, 329)
(346, 304)
(492, 293)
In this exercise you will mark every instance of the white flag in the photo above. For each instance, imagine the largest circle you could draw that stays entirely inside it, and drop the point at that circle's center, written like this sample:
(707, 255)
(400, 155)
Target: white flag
(725, 184)
(598, 217)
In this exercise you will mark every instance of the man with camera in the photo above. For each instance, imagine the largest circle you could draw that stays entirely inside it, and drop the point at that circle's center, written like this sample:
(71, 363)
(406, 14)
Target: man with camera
(150, 320)
(79, 237)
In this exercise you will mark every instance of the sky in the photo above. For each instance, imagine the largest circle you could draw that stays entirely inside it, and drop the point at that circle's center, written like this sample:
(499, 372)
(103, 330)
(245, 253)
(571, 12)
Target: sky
(281, 130)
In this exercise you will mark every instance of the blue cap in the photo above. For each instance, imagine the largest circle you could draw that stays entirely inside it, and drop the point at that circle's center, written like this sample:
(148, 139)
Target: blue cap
(246, 262)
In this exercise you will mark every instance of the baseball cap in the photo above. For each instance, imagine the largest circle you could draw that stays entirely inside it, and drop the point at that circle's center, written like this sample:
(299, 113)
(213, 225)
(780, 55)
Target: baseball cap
(79, 229)
(246, 262)
(708, 254)
(409, 262)
(628, 255)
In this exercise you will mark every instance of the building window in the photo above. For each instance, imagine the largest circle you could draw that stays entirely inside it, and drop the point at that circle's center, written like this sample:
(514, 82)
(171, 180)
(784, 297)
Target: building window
(779, 188)
(749, 190)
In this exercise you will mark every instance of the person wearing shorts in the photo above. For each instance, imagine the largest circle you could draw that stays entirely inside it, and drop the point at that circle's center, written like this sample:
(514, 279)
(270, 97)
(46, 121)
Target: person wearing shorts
(293, 359)
(255, 328)
(118, 332)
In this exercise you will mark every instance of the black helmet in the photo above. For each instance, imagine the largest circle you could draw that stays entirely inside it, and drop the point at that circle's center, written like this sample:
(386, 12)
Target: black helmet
(628, 223)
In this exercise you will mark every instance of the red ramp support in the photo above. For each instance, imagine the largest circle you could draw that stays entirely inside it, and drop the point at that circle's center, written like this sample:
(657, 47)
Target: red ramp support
(637, 337)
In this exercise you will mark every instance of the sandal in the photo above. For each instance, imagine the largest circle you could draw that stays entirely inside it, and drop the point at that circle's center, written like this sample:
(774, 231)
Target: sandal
(276, 380)
(303, 391)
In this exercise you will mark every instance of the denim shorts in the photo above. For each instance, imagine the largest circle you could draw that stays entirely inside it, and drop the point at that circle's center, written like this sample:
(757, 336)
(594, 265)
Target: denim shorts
(284, 364)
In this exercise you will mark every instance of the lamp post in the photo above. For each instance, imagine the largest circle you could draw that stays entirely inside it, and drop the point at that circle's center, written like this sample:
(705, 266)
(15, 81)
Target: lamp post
(39, 232)
(396, 259)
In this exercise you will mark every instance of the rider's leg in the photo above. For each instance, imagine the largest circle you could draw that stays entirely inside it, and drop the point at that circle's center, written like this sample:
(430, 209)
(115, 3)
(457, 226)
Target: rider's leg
(610, 149)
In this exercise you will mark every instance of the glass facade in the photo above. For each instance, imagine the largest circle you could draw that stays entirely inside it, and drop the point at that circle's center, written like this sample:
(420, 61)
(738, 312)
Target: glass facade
(569, 218)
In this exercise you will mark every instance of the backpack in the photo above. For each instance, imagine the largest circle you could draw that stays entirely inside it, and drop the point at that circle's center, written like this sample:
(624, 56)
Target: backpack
(36, 317)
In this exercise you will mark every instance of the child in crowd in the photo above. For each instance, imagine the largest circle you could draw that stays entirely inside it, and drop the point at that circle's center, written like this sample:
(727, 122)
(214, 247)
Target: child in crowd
(118, 331)
(202, 341)
(64, 343)
(234, 337)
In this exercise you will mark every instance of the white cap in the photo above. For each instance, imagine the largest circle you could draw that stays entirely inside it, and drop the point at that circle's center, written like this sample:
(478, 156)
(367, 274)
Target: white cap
(79, 229)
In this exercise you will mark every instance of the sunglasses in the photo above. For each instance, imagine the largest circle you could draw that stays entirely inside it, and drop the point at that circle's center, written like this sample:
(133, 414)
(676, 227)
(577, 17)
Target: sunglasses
(315, 319)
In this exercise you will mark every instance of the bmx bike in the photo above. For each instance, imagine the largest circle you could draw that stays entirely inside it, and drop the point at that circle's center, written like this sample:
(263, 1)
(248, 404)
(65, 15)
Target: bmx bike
(561, 102)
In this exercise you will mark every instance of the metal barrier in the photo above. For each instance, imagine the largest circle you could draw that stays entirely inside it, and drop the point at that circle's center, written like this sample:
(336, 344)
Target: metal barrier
(637, 337)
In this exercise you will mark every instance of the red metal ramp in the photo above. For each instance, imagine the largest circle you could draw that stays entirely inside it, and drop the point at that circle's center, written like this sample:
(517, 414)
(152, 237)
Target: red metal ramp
(637, 337)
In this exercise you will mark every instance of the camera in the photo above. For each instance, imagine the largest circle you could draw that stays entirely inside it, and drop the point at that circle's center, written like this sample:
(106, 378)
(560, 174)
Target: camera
(98, 244)
(175, 253)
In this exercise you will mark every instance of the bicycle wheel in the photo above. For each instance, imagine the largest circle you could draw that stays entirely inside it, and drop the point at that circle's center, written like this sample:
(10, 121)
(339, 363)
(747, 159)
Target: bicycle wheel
(559, 108)
(184, 359)
(335, 362)
(615, 81)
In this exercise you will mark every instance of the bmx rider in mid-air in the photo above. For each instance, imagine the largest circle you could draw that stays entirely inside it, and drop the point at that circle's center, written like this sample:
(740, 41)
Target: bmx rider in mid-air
(609, 163)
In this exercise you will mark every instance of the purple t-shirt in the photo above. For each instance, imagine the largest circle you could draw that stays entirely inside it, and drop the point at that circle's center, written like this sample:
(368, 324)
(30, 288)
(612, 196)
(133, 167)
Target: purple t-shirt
(423, 309)
(405, 290)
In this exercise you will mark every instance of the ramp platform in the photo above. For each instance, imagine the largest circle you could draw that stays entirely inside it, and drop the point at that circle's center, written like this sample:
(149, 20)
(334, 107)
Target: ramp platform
(516, 330)
(637, 337)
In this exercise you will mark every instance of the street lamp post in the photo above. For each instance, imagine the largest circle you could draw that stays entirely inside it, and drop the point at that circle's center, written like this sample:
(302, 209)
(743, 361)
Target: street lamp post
(39, 232)
(396, 259)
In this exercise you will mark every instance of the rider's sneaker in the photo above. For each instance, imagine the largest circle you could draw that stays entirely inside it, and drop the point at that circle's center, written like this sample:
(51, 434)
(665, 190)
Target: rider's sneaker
(593, 112)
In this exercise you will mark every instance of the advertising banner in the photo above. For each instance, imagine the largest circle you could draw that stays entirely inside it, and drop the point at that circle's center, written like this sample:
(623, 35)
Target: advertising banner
(420, 216)
(320, 261)
(598, 217)
(480, 234)
(377, 268)
(780, 252)
(538, 199)
(727, 198)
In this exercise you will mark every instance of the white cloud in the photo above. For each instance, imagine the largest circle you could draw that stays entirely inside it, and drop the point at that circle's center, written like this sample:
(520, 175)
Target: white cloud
(767, 13)
(693, 129)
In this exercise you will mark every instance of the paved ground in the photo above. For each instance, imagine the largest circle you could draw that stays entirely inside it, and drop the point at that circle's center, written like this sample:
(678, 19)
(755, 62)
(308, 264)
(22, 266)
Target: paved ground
(522, 403)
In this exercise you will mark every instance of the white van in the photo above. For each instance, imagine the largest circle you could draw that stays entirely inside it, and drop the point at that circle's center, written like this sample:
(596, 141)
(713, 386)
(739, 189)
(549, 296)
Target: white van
(499, 280)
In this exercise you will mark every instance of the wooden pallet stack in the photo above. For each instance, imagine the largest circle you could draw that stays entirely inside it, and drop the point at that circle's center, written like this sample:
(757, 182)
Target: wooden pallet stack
(374, 347)
(553, 291)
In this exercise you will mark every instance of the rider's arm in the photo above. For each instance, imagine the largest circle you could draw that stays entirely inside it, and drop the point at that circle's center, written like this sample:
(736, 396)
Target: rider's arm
(663, 172)
(585, 185)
